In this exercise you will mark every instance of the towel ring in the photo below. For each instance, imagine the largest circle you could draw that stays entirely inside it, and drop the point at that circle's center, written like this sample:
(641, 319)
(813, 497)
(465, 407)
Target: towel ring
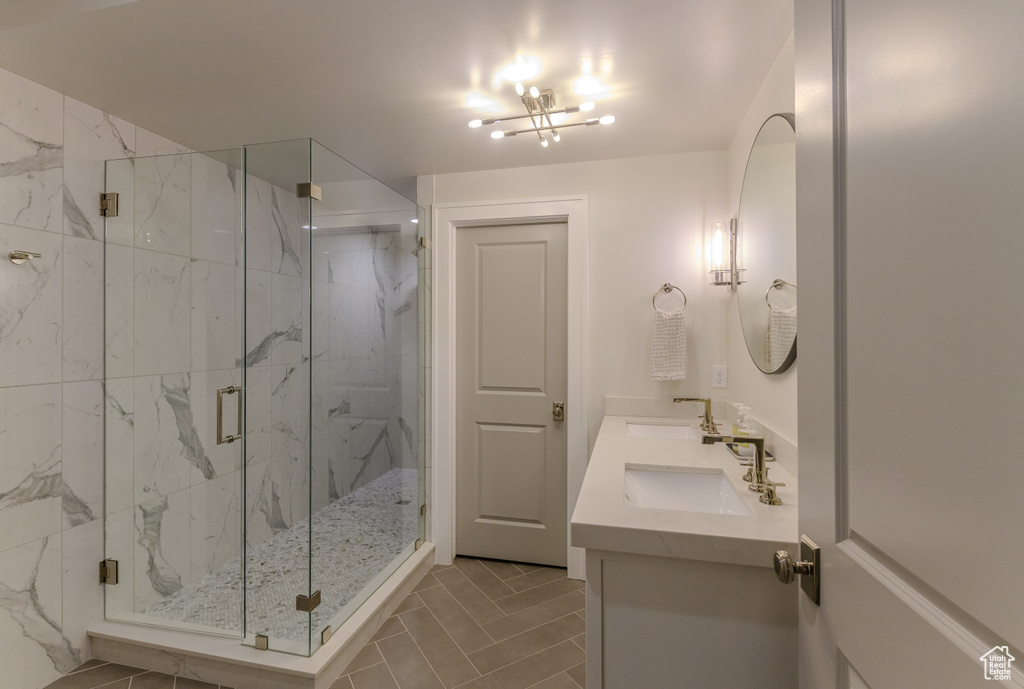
(667, 287)
(778, 283)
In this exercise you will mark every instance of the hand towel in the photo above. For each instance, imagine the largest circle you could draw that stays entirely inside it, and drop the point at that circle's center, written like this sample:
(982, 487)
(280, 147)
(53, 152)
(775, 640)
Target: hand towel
(668, 346)
(779, 339)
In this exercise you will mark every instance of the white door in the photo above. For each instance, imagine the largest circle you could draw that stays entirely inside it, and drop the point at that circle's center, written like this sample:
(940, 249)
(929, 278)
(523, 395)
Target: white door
(510, 372)
(910, 197)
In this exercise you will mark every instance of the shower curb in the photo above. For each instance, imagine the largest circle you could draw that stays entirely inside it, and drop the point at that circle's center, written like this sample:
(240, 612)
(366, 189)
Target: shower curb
(223, 660)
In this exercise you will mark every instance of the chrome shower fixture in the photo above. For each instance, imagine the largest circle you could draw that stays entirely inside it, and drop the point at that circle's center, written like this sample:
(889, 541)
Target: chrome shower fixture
(540, 106)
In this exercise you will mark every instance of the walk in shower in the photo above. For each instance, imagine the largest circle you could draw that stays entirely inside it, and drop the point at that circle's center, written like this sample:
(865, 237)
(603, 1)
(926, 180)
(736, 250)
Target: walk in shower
(263, 391)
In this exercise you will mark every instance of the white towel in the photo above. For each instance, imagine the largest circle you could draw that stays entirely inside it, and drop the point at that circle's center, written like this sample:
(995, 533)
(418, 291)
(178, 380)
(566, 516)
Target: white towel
(778, 340)
(668, 346)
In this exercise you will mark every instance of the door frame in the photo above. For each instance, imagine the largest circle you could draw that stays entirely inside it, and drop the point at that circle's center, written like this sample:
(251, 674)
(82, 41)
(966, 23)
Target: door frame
(447, 219)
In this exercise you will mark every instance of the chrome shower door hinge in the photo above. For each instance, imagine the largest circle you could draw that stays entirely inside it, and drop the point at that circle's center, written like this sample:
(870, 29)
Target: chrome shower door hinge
(108, 204)
(108, 572)
(307, 603)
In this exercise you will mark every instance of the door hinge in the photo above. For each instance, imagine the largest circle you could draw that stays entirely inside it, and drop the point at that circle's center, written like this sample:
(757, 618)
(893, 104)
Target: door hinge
(419, 543)
(423, 510)
(307, 603)
(108, 572)
(108, 204)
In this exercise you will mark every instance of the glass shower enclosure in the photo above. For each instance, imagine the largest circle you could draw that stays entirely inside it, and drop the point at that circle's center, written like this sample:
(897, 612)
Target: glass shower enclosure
(263, 373)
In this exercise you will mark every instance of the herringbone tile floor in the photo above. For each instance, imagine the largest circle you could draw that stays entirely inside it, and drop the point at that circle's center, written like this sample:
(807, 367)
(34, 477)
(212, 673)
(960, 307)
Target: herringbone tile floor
(477, 624)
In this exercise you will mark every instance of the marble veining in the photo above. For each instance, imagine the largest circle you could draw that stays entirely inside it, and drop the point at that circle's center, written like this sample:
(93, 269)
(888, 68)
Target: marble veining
(289, 260)
(83, 299)
(91, 137)
(33, 603)
(40, 484)
(30, 311)
(162, 203)
(176, 392)
(164, 579)
(261, 352)
(32, 188)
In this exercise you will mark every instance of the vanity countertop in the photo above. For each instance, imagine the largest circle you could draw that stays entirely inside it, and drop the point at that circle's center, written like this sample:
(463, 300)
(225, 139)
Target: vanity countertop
(604, 520)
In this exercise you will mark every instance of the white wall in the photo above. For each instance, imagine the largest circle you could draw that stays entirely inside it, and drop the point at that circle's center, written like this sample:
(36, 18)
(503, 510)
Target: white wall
(772, 399)
(646, 227)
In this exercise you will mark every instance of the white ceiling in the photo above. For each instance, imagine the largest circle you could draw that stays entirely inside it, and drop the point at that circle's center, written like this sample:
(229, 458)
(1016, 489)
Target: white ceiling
(385, 83)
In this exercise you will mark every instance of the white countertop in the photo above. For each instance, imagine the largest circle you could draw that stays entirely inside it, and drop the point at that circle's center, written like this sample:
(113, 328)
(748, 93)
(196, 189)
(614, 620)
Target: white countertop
(603, 520)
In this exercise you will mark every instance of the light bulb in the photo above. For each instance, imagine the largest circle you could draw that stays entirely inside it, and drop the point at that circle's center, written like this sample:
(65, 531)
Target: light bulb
(585, 107)
(544, 143)
(476, 123)
(519, 88)
(497, 135)
(557, 137)
(607, 119)
(535, 92)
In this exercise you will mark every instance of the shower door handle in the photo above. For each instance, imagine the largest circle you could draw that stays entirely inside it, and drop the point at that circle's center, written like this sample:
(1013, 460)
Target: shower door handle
(232, 390)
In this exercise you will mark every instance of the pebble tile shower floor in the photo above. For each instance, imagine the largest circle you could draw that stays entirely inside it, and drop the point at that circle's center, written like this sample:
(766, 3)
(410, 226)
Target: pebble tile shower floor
(354, 539)
(478, 624)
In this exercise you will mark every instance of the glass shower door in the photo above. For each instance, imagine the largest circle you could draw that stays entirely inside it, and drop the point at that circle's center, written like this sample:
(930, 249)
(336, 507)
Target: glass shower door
(172, 316)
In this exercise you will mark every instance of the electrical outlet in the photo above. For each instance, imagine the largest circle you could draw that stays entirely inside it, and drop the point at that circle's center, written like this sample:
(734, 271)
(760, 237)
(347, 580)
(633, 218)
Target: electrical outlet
(719, 376)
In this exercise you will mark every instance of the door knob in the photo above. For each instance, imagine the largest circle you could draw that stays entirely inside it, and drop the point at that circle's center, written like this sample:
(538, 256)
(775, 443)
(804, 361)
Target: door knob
(786, 568)
(808, 567)
(558, 411)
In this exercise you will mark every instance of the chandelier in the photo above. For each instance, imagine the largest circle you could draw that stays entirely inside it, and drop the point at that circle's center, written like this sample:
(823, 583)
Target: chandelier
(540, 107)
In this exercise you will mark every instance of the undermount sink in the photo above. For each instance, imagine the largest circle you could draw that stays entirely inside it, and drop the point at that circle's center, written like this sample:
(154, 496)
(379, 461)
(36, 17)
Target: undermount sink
(686, 489)
(661, 430)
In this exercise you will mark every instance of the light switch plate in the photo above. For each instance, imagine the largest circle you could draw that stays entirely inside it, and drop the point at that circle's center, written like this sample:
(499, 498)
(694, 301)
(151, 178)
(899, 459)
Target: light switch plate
(719, 376)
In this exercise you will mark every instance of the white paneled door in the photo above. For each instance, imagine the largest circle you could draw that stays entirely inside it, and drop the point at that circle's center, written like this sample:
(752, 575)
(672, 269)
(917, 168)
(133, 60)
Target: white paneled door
(910, 251)
(511, 291)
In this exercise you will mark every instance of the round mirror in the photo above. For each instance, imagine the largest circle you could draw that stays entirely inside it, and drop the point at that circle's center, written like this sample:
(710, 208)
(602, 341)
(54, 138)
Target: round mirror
(767, 247)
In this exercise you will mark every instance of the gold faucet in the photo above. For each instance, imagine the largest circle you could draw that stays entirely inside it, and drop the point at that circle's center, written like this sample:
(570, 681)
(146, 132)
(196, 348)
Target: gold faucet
(758, 476)
(707, 423)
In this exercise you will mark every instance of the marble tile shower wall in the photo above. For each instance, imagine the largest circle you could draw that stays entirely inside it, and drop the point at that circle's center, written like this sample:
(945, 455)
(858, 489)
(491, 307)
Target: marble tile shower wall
(52, 150)
(365, 372)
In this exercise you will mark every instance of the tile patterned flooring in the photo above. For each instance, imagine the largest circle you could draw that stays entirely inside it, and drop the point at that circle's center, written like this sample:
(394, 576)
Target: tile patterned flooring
(477, 624)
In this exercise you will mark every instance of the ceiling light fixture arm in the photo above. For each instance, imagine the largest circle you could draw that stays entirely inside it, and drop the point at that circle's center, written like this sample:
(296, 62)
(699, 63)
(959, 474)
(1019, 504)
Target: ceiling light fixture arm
(539, 109)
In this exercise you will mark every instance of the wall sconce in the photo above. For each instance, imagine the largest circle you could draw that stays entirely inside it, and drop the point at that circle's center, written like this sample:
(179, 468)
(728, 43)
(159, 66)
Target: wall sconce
(721, 254)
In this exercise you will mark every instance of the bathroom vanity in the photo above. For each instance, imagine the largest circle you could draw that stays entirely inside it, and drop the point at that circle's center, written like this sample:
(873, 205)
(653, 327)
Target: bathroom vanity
(681, 591)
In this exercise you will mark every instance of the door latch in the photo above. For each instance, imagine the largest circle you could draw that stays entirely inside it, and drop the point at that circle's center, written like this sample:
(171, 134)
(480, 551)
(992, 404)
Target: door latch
(808, 567)
(558, 411)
